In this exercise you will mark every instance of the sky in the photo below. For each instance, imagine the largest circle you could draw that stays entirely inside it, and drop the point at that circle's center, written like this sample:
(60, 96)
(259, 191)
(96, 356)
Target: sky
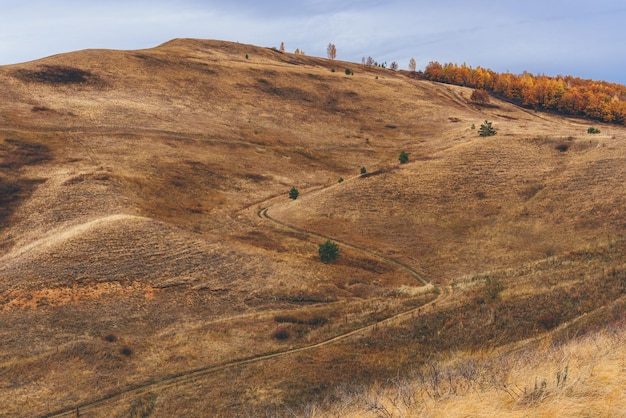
(585, 39)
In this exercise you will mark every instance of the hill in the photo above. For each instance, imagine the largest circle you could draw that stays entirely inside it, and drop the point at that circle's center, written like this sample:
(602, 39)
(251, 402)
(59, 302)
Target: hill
(149, 252)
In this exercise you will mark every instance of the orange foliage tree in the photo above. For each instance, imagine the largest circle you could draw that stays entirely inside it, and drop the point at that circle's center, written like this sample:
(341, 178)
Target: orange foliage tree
(566, 94)
(480, 96)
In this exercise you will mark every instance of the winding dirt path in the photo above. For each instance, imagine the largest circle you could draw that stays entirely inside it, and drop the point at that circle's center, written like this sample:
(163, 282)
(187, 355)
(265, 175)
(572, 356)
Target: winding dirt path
(262, 212)
(192, 375)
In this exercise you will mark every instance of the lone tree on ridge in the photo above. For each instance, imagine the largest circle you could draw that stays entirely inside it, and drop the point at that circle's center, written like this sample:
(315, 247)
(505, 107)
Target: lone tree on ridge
(331, 50)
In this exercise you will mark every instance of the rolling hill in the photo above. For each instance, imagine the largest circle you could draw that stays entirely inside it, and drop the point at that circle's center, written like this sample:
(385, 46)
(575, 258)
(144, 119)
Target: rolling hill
(152, 264)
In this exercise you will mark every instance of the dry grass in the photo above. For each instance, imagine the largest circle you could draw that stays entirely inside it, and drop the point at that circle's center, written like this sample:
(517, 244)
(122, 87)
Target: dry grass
(132, 250)
(584, 377)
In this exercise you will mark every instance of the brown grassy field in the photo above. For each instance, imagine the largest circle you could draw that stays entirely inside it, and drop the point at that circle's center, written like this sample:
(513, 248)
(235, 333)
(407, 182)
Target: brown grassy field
(152, 264)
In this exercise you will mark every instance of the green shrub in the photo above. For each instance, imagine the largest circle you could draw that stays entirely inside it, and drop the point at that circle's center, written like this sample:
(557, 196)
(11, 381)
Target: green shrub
(593, 130)
(293, 193)
(349, 71)
(486, 129)
(363, 170)
(328, 251)
(404, 157)
(340, 180)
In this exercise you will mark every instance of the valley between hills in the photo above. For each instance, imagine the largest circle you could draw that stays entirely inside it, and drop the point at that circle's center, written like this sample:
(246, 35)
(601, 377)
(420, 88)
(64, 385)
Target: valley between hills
(153, 264)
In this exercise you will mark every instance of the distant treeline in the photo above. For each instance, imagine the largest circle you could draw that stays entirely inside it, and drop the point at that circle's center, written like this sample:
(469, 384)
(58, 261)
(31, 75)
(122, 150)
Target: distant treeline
(569, 95)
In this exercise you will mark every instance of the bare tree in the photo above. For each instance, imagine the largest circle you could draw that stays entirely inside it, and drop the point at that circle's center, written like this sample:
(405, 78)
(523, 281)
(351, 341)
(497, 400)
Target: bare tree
(331, 51)
(282, 47)
(370, 62)
(394, 66)
(412, 65)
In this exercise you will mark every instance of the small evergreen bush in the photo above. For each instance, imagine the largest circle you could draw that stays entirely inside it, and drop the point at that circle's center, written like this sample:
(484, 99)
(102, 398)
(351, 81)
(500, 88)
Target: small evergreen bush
(486, 129)
(328, 251)
(593, 130)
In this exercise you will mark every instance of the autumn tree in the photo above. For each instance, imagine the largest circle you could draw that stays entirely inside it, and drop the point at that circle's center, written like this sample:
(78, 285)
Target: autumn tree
(331, 50)
(480, 96)
(566, 94)
(412, 65)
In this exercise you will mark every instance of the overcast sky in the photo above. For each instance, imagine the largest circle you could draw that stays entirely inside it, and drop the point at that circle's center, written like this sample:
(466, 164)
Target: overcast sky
(571, 37)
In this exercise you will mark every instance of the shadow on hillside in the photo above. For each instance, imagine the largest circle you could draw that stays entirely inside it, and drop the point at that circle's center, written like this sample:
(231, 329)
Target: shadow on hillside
(58, 75)
(14, 187)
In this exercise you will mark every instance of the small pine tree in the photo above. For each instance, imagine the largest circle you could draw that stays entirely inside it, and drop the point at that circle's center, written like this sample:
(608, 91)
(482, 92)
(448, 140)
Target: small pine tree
(328, 251)
(363, 170)
(293, 193)
(486, 129)
(404, 157)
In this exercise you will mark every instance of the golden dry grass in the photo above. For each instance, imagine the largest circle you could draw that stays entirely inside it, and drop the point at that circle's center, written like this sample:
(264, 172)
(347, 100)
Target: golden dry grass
(132, 250)
(584, 377)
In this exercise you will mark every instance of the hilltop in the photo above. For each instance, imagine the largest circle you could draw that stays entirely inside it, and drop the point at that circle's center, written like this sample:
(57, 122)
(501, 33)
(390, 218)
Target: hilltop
(149, 252)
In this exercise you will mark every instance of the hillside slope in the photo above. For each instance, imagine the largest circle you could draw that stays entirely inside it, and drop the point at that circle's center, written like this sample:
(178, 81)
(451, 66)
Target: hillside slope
(133, 246)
